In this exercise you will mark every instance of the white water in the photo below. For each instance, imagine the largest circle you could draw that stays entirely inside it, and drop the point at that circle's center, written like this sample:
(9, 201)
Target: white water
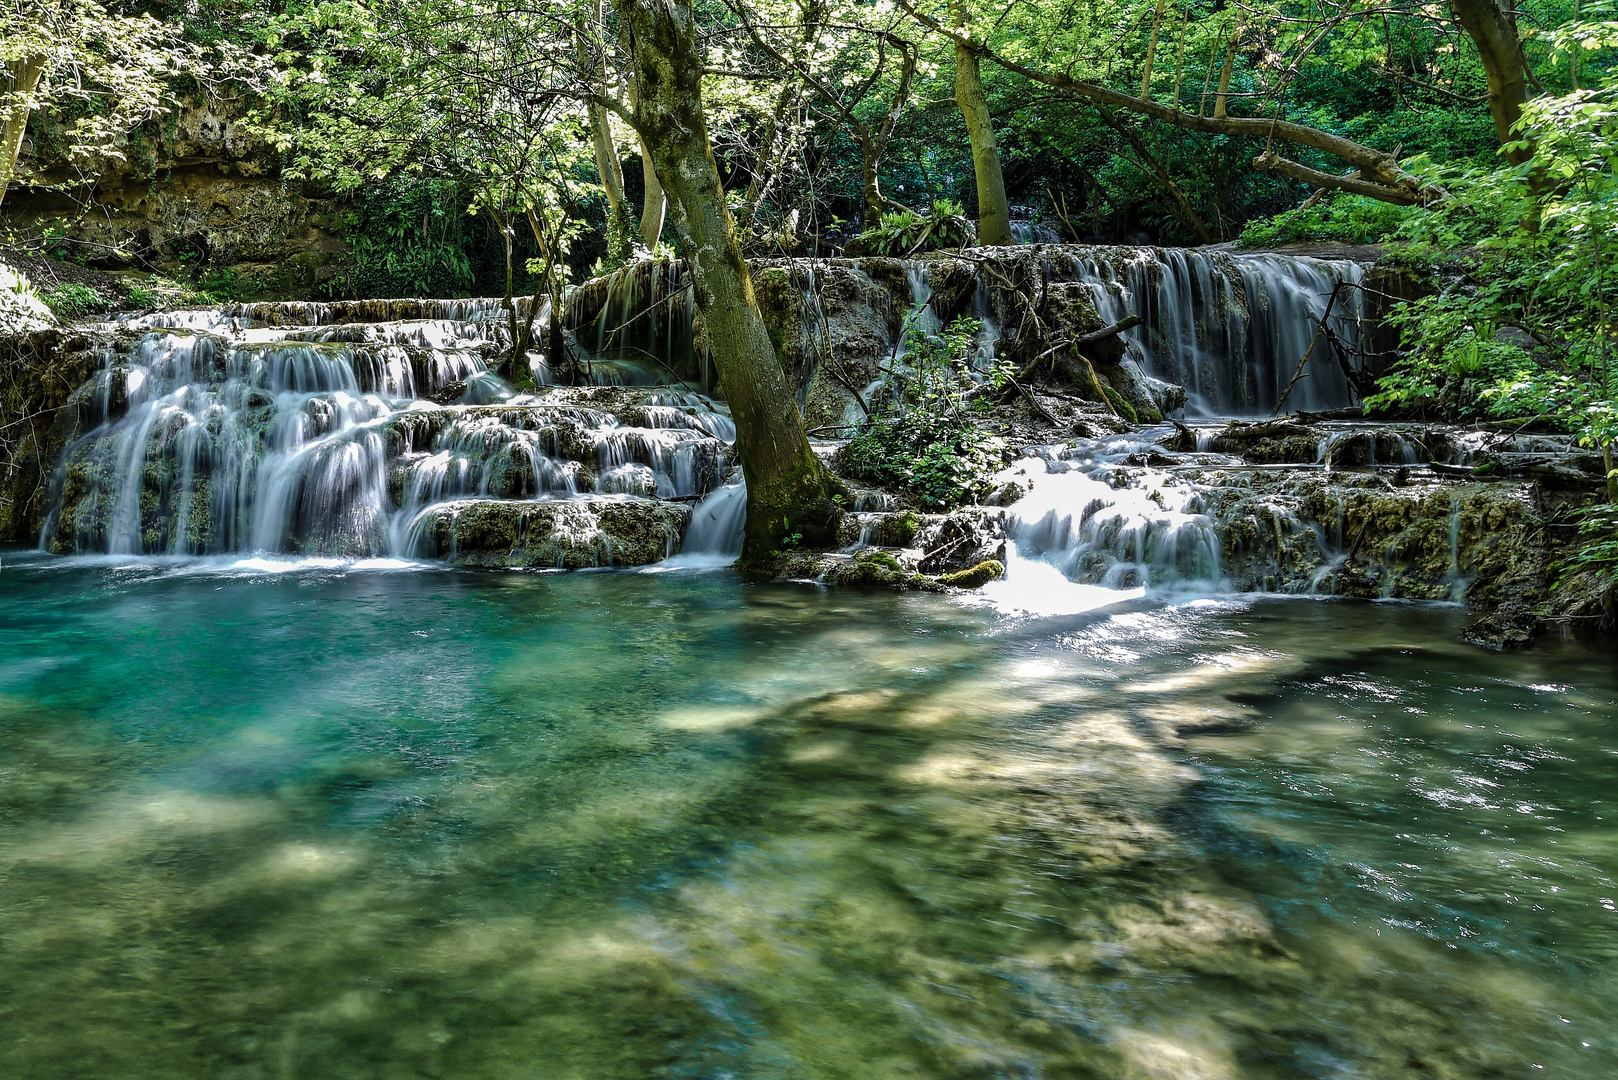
(317, 440)
(1230, 328)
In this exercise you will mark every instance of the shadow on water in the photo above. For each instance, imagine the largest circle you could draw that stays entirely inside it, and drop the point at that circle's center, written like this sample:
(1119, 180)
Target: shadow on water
(373, 823)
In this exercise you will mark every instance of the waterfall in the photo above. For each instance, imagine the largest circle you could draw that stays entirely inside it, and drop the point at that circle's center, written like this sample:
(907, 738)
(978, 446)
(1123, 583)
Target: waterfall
(1230, 328)
(343, 438)
(1103, 522)
(348, 428)
(715, 530)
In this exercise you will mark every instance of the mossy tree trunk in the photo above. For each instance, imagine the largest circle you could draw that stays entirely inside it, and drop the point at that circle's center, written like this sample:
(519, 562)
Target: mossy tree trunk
(789, 491)
(994, 210)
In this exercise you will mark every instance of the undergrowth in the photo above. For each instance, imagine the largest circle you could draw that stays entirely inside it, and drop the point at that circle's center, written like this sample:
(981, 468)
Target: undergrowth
(921, 438)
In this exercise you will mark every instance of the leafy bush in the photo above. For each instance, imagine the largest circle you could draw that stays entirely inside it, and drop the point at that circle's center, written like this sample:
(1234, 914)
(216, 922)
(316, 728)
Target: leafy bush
(904, 232)
(229, 285)
(943, 460)
(922, 439)
(408, 237)
(158, 291)
(74, 301)
(1348, 219)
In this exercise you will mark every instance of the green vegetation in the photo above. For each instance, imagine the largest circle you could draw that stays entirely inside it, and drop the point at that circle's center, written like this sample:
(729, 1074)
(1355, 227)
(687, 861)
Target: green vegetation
(906, 233)
(1349, 219)
(921, 439)
(74, 301)
(1518, 323)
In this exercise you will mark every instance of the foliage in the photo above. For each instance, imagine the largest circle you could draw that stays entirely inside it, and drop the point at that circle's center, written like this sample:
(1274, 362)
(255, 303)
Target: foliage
(158, 291)
(1600, 553)
(408, 238)
(104, 72)
(905, 232)
(74, 301)
(1522, 328)
(1345, 218)
(922, 440)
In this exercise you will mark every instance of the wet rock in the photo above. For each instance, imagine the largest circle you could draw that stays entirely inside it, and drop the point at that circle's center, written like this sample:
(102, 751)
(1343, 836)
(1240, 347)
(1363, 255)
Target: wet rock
(974, 577)
(833, 322)
(563, 533)
(960, 540)
(896, 529)
(48, 398)
(869, 567)
(1510, 626)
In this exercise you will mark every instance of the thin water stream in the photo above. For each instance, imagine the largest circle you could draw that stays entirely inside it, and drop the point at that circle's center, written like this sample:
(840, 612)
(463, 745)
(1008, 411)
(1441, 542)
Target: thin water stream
(275, 819)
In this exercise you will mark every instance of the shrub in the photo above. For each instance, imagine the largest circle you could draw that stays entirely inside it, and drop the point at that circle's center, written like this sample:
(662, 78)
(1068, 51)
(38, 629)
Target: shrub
(1348, 219)
(922, 439)
(74, 301)
(905, 232)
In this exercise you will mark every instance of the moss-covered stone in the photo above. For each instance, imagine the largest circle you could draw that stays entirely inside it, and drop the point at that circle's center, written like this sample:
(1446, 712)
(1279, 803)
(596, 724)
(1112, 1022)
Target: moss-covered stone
(974, 577)
(567, 534)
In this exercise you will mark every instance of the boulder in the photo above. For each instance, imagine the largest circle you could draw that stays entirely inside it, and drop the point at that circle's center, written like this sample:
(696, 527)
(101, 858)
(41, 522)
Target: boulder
(567, 534)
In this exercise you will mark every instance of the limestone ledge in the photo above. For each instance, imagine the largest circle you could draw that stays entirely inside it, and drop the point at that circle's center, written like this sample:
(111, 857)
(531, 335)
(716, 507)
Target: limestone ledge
(570, 534)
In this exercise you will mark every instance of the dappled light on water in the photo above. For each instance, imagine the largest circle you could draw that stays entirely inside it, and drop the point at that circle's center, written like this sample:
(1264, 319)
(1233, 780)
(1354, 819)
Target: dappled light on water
(304, 820)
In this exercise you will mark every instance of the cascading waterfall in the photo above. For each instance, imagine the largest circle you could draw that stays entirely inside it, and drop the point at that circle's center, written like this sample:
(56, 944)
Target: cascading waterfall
(1230, 328)
(1101, 521)
(346, 428)
(231, 431)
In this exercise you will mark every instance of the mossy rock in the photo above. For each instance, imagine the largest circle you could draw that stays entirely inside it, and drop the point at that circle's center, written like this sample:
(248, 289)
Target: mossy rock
(1120, 406)
(974, 577)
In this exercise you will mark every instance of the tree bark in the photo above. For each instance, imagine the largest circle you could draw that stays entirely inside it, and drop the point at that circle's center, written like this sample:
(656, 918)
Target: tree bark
(612, 180)
(789, 491)
(653, 209)
(1492, 26)
(21, 78)
(994, 210)
(1151, 51)
(1224, 74)
(654, 205)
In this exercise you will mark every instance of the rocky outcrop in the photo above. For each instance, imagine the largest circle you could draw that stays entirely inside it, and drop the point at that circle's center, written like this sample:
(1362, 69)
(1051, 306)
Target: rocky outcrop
(196, 188)
(565, 534)
(40, 374)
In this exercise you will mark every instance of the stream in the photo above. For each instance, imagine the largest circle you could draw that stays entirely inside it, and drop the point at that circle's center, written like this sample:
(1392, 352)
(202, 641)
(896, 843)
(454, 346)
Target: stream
(270, 817)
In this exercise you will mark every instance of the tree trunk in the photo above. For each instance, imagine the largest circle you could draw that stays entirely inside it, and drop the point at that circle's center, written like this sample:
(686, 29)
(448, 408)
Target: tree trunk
(612, 181)
(654, 204)
(21, 78)
(788, 490)
(652, 210)
(1151, 52)
(870, 188)
(1493, 29)
(1224, 74)
(994, 211)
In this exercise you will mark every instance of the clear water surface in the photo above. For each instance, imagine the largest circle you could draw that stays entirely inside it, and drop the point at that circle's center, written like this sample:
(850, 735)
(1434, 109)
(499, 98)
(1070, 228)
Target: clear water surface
(367, 821)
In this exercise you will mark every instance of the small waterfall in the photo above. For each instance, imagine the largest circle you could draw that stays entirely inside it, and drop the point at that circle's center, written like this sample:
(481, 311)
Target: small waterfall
(715, 529)
(1102, 522)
